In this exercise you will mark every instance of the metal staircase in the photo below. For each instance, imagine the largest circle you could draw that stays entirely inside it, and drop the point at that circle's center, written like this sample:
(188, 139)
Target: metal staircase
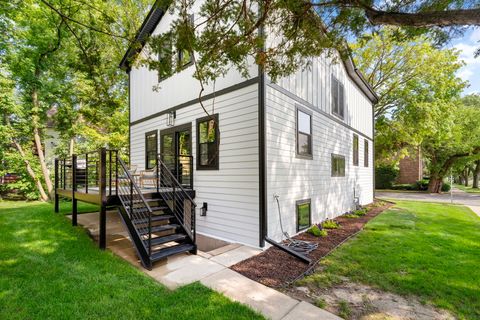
(160, 224)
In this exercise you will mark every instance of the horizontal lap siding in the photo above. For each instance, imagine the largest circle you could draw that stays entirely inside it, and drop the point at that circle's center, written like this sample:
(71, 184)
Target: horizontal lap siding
(232, 192)
(295, 179)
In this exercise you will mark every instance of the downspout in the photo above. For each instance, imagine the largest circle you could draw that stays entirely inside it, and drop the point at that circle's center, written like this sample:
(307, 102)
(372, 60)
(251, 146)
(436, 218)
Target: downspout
(262, 151)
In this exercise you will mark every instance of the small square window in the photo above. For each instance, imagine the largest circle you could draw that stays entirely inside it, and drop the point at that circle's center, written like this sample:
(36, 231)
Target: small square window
(304, 216)
(338, 165)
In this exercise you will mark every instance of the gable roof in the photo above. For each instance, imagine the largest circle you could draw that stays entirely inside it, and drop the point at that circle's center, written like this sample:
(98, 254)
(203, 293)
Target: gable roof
(156, 14)
(146, 30)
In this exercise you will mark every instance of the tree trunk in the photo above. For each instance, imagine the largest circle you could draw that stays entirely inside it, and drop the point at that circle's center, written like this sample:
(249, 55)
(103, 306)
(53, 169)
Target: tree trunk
(32, 174)
(38, 143)
(435, 184)
(476, 174)
(71, 145)
(465, 177)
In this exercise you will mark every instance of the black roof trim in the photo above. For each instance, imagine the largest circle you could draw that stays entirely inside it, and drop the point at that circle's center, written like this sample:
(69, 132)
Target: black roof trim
(357, 77)
(156, 14)
(147, 28)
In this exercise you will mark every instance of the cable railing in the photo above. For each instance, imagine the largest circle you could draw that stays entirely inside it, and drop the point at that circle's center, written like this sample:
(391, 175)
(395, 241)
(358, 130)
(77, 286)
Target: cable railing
(177, 198)
(135, 205)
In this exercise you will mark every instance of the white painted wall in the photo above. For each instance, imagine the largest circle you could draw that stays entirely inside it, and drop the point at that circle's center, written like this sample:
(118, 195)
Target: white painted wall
(294, 178)
(232, 193)
(177, 89)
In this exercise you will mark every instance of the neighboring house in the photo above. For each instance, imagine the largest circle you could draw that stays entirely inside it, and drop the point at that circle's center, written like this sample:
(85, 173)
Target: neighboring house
(307, 139)
(411, 167)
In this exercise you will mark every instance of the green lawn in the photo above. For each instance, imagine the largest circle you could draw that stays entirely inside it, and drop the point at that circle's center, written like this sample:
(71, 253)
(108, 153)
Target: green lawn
(50, 270)
(425, 249)
(467, 189)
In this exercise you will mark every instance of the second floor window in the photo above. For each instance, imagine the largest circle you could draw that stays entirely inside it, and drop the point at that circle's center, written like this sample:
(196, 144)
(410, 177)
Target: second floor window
(304, 134)
(165, 59)
(355, 150)
(338, 98)
(185, 57)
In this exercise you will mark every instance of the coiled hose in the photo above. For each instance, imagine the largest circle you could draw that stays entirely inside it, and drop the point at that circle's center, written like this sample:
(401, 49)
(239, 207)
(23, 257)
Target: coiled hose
(300, 246)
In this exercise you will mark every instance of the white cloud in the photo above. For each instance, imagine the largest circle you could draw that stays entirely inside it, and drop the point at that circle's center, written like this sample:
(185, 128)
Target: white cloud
(475, 35)
(465, 73)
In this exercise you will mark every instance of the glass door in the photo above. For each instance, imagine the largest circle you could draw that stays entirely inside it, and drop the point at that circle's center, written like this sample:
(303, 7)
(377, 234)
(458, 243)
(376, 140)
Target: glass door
(176, 153)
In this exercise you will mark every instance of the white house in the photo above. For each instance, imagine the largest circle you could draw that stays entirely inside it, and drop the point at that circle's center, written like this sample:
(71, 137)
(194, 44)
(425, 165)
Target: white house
(307, 139)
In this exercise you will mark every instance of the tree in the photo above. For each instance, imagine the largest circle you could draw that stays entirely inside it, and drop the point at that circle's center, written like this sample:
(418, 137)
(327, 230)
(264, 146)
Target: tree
(69, 63)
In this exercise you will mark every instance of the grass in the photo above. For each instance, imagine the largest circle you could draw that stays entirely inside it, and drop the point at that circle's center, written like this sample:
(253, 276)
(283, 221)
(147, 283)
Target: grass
(415, 248)
(467, 189)
(50, 270)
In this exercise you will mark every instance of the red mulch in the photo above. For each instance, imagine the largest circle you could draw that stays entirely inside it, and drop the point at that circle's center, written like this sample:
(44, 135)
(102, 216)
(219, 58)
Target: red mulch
(275, 268)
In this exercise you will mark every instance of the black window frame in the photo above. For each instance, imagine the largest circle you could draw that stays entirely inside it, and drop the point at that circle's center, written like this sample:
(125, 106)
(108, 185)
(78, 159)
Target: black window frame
(338, 97)
(298, 154)
(365, 153)
(356, 150)
(147, 134)
(299, 203)
(215, 165)
(168, 58)
(334, 157)
(180, 52)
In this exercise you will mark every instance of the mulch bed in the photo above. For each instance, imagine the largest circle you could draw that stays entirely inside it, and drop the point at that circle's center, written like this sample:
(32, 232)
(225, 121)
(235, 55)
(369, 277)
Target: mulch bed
(275, 268)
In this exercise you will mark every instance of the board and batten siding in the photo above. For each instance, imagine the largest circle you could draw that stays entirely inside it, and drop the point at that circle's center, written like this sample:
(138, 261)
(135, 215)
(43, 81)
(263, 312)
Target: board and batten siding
(232, 192)
(293, 178)
(148, 96)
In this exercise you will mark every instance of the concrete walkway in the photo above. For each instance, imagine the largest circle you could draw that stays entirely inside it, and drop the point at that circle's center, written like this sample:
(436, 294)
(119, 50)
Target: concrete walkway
(212, 270)
(471, 200)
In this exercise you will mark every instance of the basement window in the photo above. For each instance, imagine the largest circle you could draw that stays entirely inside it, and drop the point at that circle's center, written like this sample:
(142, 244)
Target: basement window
(151, 149)
(338, 165)
(207, 143)
(304, 214)
(338, 98)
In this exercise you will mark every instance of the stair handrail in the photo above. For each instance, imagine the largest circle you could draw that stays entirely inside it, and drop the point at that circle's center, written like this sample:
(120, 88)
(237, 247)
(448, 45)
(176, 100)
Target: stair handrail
(142, 198)
(191, 231)
(178, 184)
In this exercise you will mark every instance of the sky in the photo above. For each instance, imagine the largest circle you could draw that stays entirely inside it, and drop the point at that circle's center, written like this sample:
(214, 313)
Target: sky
(471, 71)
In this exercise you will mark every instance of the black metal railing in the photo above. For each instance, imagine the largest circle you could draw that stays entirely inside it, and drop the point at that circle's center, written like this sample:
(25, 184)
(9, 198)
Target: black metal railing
(135, 205)
(176, 197)
(83, 172)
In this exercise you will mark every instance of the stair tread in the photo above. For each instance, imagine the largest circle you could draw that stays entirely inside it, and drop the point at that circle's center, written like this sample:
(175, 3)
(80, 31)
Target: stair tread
(165, 252)
(161, 228)
(169, 238)
(144, 209)
(155, 218)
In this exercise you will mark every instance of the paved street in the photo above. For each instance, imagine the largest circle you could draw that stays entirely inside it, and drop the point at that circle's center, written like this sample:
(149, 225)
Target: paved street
(459, 197)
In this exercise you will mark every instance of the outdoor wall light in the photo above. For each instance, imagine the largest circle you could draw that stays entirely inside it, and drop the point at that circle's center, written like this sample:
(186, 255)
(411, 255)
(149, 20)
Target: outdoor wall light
(171, 118)
(203, 209)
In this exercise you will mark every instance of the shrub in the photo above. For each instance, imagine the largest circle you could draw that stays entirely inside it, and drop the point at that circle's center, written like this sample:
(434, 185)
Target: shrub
(422, 185)
(314, 230)
(385, 176)
(351, 215)
(446, 187)
(405, 186)
(317, 232)
(330, 224)
(360, 212)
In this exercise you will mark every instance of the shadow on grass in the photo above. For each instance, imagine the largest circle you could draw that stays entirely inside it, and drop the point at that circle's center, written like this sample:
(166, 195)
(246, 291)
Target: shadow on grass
(50, 270)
